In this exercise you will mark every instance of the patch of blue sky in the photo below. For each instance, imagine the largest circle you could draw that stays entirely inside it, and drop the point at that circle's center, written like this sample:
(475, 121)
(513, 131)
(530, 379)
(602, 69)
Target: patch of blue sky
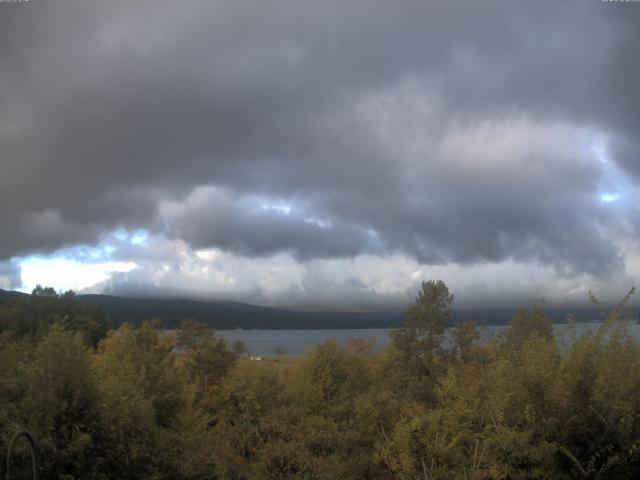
(609, 197)
(139, 237)
(80, 266)
(134, 237)
(264, 203)
(278, 207)
(615, 186)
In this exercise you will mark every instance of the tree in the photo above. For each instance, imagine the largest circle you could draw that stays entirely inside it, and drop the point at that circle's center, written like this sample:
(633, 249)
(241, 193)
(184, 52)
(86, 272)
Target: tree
(280, 351)
(208, 356)
(31, 316)
(59, 404)
(143, 395)
(527, 323)
(417, 355)
(465, 336)
(240, 348)
(40, 291)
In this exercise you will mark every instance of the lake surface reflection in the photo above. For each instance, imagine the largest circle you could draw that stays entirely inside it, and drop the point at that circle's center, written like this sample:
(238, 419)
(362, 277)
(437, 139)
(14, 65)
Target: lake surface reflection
(296, 342)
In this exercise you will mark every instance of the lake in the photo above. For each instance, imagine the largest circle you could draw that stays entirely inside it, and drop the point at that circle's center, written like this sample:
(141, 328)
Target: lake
(297, 342)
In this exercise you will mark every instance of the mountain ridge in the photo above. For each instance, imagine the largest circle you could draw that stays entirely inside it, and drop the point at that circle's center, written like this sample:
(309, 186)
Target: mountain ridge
(226, 314)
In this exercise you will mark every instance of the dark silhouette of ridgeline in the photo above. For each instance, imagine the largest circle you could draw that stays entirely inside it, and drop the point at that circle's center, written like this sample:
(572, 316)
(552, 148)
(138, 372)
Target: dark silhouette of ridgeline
(8, 295)
(232, 315)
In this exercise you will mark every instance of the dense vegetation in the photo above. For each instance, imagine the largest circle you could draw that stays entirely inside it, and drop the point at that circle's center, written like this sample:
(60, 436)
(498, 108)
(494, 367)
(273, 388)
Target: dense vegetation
(136, 403)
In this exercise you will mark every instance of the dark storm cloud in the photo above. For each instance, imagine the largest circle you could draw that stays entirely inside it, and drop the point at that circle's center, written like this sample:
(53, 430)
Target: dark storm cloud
(111, 110)
(254, 228)
(626, 151)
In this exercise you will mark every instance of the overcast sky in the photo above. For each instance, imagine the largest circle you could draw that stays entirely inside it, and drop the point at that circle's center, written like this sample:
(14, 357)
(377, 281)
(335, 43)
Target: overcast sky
(321, 153)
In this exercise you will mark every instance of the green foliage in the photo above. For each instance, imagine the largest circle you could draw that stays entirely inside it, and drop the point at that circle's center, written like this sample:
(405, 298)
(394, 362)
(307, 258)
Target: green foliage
(31, 316)
(146, 403)
(465, 336)
(51, 392)
(417, 358)
(429, 316)
(527, 323)
(208, 357)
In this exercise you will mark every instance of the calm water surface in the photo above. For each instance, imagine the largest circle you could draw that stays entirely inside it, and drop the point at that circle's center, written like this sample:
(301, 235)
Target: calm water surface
(296, 342)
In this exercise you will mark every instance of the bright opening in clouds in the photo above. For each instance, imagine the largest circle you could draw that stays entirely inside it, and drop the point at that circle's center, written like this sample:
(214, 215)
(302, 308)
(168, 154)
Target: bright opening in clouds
(67, 274)
(614, 181)
(609, 197)
(320, 153)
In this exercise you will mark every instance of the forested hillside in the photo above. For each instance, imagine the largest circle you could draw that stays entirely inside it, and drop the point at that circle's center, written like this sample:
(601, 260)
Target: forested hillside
(231, 315)
(128, 404)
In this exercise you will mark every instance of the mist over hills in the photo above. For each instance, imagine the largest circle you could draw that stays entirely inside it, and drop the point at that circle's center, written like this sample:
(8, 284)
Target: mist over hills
(230, 315)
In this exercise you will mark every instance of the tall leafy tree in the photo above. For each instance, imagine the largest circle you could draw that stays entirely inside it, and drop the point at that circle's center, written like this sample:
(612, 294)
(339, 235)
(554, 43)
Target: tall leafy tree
(417, 357)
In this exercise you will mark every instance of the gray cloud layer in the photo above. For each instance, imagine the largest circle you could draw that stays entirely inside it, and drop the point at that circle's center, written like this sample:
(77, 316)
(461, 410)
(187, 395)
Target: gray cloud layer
(447, 132)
